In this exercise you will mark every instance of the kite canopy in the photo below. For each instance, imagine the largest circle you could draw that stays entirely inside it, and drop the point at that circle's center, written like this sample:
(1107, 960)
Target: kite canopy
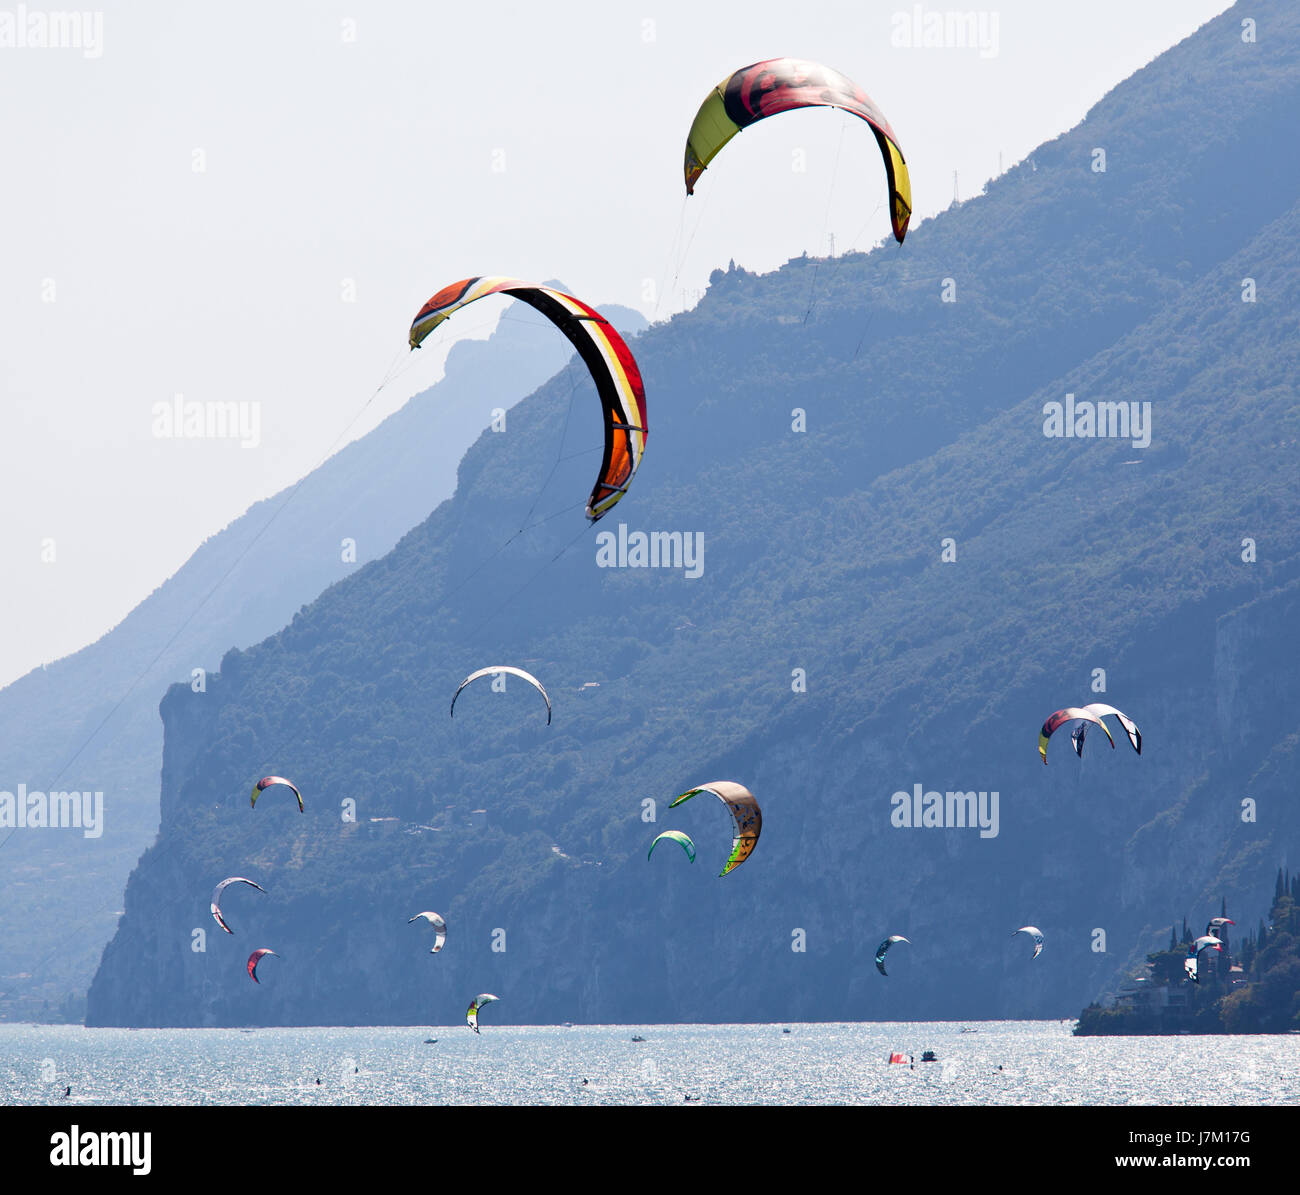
(603, 351)
(216, 898)
(678, 837)
(471, 1015)
(1202, 944)
(780, 85)
(268, 782)
(440, 929)
(883, 949)
(1216, 924)
(492, 670)
(745, 810)
(1105, 711)
(1191, 964)
(1037, 934)
(255, 958)
(1059, 719)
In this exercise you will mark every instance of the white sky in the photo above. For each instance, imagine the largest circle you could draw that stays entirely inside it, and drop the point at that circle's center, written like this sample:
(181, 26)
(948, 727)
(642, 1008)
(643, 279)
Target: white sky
(395, 147)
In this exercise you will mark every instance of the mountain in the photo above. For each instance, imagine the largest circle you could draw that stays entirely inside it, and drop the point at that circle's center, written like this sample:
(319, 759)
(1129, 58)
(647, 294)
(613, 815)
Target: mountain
(892, 598)
(90, 722)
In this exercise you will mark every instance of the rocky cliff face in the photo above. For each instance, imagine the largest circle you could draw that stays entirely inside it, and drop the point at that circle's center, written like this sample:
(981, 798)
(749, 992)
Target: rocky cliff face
(1112, 843)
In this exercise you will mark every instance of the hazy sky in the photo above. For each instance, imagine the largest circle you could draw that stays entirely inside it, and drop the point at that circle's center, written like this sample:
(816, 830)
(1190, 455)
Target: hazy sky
(248, 202)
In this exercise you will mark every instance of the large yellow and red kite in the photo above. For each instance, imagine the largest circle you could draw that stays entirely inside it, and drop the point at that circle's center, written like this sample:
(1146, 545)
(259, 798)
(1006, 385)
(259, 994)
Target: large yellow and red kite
(780, 85)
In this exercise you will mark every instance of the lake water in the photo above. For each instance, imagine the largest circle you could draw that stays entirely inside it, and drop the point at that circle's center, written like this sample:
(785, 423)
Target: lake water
(1041, 1063)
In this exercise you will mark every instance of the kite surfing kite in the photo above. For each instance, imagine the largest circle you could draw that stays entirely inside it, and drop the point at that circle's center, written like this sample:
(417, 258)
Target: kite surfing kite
(781, 85)
(745, 811)
(471, 1016)
(493, 671)
(1059, 719)
(1037, 934)
(439, 926)
(883, 948)
(682, 840)
(1216, 924)
(1191, 964)
(603, 351)
(255, 958)
(216, 898)
(1078, 734)
(1202, 944)
(268, 782)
